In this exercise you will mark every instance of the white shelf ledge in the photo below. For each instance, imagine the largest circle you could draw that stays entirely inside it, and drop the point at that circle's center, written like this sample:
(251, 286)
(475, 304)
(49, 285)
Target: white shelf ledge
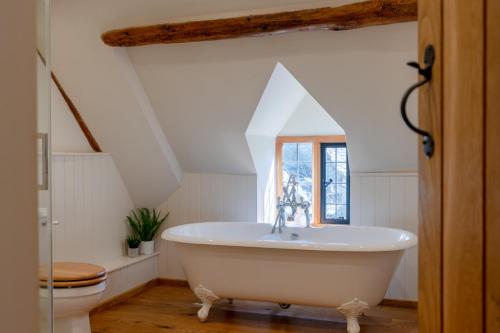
(122, 262)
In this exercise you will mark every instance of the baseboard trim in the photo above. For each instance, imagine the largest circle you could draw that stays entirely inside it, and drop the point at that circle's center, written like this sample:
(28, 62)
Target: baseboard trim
(184, 284)
(399, 303)
(173, 282)
(120, 298)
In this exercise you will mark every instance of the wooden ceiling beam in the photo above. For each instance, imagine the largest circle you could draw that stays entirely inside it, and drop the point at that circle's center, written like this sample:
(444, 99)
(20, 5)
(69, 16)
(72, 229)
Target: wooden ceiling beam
(351, 16)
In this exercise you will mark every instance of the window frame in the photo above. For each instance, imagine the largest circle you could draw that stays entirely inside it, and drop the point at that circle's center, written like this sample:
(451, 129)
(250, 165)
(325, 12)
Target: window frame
(324, 220)
(316, 169)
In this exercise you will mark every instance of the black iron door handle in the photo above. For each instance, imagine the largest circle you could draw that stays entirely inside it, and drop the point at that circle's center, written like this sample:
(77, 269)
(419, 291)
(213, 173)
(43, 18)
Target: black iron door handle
(426, 72)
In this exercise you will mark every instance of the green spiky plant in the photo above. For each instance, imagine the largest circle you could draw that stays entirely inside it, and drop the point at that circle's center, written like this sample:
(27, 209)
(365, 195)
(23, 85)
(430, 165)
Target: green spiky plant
(133, 241)
(145, 222)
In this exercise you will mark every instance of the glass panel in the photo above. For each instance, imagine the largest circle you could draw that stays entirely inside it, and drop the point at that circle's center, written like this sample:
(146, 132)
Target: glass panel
(330, 212)
(290, 152)
(341, 172)
(330, 154)
(341, 154)
(305, 152)
(341, 194)
(330, 196)
(330, 172)
(341, 212)
(289, 168)
(305, 191)
(44, 163)
(305, 172)
(297, 160)
(335, 167)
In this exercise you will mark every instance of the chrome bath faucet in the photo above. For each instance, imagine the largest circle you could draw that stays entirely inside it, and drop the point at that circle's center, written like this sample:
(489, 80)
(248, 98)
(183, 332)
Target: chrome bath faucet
(290, 200)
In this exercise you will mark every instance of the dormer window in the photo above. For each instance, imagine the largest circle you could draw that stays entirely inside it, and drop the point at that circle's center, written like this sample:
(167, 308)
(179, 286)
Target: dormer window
(321, 167)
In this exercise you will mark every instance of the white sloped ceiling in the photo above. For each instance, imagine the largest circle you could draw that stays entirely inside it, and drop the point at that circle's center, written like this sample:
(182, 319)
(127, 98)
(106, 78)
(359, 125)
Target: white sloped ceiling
(206, 93)
(163, 109)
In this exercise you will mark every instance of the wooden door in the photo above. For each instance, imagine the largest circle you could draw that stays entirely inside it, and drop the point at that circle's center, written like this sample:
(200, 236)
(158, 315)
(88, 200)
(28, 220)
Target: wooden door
(460, 185)
(492, 167)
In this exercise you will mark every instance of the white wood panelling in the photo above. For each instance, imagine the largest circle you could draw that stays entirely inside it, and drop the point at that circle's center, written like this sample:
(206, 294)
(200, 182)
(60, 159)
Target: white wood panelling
(90, 202)
(379, 199)
(204, 198)
(390, 200)
(130, 276)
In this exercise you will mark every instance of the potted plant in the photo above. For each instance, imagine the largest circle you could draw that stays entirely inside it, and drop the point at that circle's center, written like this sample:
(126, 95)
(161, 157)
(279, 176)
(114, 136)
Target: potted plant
(145, 223)
(133, 246)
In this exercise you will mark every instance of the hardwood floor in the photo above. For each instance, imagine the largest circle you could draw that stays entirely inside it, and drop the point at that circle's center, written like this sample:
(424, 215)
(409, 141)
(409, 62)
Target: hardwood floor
(173, 309)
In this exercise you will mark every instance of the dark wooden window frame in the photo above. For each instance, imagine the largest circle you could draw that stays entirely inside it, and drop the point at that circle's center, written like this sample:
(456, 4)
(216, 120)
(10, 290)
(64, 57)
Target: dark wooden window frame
(323, 181)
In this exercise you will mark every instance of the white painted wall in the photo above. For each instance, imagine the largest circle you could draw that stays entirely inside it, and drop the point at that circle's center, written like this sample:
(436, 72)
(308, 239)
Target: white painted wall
(310, 118)
(67, 137)
(285, 108)
(103, 85)
(390, 200)
(90, 202)
(204, 198)
(206, 93)
(263, 153)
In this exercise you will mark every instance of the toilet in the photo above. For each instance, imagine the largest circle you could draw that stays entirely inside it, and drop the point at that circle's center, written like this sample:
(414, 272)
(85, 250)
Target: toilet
(77, 289)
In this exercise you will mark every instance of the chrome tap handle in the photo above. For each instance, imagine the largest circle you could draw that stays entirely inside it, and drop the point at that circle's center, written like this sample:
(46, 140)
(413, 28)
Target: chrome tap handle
(275, 223)
(305, 206)
(308, 219)
(278, 216)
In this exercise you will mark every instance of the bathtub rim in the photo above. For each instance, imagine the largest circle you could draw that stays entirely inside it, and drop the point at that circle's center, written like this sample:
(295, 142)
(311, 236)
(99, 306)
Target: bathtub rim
(169, 235)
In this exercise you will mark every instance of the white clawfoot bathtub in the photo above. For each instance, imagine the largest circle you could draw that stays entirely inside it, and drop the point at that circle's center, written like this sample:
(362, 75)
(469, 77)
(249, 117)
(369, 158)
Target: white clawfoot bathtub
(346, 267)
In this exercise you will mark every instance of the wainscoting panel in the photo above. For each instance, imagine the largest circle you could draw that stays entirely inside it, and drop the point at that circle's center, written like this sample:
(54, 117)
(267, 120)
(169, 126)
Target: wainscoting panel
(204, 198)
(378, 199)
(90, 202)
(129, 276)
(390, 200)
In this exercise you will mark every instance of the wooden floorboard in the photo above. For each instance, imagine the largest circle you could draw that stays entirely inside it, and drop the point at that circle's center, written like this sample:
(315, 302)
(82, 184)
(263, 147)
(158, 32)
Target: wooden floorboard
(164, 308)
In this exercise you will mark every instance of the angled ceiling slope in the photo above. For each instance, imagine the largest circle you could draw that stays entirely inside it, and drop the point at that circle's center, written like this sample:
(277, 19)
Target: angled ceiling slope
(104, 85)
(286, 108)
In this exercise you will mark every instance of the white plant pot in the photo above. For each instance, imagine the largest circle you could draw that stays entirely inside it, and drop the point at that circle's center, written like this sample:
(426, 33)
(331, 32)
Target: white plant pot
(133, 252)
(147, 247)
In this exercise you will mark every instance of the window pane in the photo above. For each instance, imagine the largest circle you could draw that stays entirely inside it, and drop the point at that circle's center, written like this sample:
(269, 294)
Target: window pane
(334, 197)
(305, 191)
(330, 196)
(342, 154)
(330, 172)
(330, 212)
(340, 212)
(289, 168)
(330, 154)
(289, 152)
(341, 172)
(305, 172)
(305, 152)
(341, 194)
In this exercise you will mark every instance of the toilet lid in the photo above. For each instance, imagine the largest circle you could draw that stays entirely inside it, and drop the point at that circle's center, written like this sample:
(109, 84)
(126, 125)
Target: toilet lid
(72, 272)
(75, 284)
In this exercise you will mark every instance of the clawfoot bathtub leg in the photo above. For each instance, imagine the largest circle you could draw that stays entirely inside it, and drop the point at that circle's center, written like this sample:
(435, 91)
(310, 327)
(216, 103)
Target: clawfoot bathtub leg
(352, 310)
(207, 298)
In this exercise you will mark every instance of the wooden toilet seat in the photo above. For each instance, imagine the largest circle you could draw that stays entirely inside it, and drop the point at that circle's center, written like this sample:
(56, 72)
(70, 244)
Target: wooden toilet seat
(73, 274)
